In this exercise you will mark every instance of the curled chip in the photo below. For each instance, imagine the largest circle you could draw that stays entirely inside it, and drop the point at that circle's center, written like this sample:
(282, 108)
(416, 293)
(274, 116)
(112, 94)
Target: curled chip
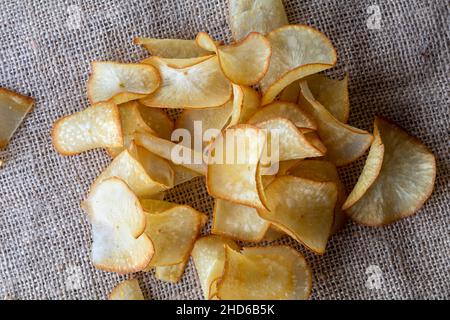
(332, 94)
(170, 274)
(176, 63)
(209, 259)
(173, 233)
(234, 58)
(118, 224)
(202, 85)
(158, 121)
(13, 110)
(127, 290)
(261, 16)
(323, 171)
(287, 110)
(344, 143)
(172, 48)
(250, 104)
(98, 126)
(302, 208)
(292, 143)
(265, 273)
(233, 166)
(238, 222)
(297, 51)
(120, 83)
(291, 93)
(405, 178)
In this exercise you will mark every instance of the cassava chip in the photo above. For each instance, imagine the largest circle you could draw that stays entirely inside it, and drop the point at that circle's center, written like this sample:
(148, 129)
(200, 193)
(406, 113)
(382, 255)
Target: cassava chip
(238, 222)
(158, 121)
(302, 208)
(171, 274)
(209, 259)
(127, 290)
(261, 16)
(291, 93)
(344, 143)
(118, 225)
(176, 63)
(265, 273)
(250, 103)
(404, 182)
(120, 82)
(95, 127)
(233, 166)
(297, 52)
(172, 48)
(13, 110)
(202, 85)
(332, 94)
(173, 233)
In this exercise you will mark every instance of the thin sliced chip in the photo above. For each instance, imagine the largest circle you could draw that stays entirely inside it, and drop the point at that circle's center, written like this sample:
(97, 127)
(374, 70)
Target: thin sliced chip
(297, 52)
(273, 234)
(159, 169)
(158, 121)
(291, 93)
(13, 110)
(405, 181)
(120, 82)
(238, 222)
(173, 233)
(167, 149)
(171, 274)
(172, 48)
(314, 139)
(95, 127)
(209, 259)
(127, 290)
(157, 206)
(324, 171)
(344, 143)
(332, 94)
(290, 111)
(233, 166)
(261, 16)
(183, 175)
(118, 223)
(177, 63)
(302, 208)
(292, 144)
(251, 103)
(200, 86)
(269, 273)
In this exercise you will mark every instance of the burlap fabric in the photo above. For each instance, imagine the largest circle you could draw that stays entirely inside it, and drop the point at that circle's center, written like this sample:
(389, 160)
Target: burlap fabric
(399, 70)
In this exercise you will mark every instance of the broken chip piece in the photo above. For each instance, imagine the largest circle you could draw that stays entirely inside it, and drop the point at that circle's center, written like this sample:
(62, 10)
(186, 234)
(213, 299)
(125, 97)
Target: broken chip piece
(127, 290)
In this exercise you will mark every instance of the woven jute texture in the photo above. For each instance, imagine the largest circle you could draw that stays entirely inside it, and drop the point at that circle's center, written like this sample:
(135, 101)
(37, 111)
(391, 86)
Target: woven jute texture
(398, 69)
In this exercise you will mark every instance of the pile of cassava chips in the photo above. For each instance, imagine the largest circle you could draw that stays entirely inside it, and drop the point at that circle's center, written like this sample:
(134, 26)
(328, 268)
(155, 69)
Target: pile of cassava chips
(266, 129)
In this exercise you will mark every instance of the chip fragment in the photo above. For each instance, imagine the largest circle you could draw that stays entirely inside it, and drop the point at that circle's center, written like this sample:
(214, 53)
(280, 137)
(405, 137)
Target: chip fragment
(127, 290)
(172, 48)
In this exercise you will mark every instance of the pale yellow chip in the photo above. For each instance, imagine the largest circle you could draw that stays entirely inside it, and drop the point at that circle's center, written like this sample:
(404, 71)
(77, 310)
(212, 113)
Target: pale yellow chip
(127, 290)
(118, 225)
(238, 222)
(297, 52)
(265, 273)
(98, 126)
(344, 143)
(233, 166)
(288, 110)
(263, 16)
(183, 175)
(158, 121)
(273, 234)
(291, 93)
(405, 181)
(332, 94)
(250, 104)
(209, 259)
(172, 48)
(173, 233)
(202, 85)
(171, 274)
(302, 208)
(323, 171)
(159, 169)
(120, 82)
(176, 63)
(13, 110)
(287, 141)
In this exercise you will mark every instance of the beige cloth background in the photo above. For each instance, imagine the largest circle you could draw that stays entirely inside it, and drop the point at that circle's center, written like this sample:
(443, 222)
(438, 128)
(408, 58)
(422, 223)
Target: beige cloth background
(400, 71)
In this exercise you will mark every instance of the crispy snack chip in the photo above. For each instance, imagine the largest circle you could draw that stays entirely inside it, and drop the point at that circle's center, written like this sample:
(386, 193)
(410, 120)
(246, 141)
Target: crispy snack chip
(171, 274)
(202, 85)
(265, 273)
(13, 110)
(261, 16)
(172, 48)
(302, 208)
(118, 225)
(157, 120)
(98, 126)
(405, 178)
(297, 52)
(344, 143)
(120, 82)
(127, 290)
